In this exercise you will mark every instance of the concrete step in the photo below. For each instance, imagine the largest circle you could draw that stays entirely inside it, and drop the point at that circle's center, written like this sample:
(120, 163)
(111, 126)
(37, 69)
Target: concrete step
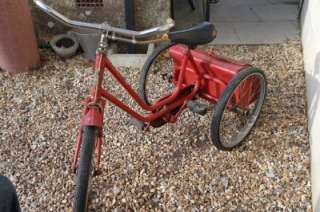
(128, 60)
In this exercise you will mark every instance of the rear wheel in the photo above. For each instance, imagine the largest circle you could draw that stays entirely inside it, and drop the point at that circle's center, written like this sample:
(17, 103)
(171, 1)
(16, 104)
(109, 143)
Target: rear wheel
(157, 75)
(232, 123)
(85, 170)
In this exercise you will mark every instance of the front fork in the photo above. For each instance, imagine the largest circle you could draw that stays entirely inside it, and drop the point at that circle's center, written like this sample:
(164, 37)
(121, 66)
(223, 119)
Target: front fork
(92, 115)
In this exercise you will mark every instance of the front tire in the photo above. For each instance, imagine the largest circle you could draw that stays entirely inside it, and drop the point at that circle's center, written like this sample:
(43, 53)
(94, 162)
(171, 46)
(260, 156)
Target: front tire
(85, 170)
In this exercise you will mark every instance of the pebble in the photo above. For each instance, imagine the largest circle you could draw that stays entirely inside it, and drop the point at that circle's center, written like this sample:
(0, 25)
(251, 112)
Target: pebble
(171, 168)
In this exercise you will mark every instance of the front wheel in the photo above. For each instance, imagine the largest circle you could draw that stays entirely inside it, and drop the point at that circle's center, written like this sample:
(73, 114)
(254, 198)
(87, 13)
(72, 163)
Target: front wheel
(86, 169)
(238, 109)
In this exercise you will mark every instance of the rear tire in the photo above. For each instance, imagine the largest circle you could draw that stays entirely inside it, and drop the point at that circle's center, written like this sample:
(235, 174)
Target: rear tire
(85, 170)
(220, 134)
(155, 74)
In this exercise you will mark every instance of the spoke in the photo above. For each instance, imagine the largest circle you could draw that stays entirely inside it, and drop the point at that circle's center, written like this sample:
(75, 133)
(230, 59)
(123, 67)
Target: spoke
(237, 121)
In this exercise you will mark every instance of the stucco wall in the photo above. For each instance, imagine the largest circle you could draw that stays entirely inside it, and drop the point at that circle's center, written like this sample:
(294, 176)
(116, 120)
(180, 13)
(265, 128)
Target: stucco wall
(148, 14)
(311, 44)
(112, 12)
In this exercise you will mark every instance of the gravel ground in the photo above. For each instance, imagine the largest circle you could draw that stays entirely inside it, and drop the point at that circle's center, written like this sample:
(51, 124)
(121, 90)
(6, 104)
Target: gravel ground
(171, 168)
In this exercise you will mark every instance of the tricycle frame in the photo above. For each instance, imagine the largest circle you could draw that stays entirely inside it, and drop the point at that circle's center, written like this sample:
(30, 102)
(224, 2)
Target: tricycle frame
(94, 104)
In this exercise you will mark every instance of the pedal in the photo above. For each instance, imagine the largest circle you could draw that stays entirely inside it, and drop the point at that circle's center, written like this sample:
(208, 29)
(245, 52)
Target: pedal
(139, 124)
(197, 107)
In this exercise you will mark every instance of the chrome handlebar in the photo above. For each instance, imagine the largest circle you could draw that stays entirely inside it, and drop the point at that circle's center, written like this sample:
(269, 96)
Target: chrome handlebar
(104, 27)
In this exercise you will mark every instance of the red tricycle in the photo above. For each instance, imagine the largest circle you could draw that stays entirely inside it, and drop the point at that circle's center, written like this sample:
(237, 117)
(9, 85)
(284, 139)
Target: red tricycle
(175, 77)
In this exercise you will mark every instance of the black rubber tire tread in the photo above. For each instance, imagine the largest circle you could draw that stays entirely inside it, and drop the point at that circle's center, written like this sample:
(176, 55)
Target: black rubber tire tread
(220, 107)
(146, 67)
(85, 169)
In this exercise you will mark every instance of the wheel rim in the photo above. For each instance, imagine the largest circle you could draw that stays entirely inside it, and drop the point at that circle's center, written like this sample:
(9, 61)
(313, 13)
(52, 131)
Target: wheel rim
(237, 121)
(159, 78)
